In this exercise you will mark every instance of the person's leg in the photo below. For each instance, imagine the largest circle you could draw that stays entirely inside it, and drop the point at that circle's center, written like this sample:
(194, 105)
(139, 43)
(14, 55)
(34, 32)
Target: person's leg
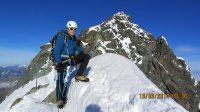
(64, 88)
(83, 59)
(59, 87)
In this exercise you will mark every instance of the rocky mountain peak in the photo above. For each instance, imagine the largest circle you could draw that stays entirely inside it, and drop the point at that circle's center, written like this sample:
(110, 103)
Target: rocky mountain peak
(118, 23)
(152, 55)
(121, 16)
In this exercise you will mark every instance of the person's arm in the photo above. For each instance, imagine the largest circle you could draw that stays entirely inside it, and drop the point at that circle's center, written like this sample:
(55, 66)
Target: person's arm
(79, 48)
(58, 49)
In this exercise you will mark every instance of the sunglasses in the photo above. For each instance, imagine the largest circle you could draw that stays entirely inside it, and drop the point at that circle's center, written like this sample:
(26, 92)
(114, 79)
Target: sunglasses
(72, 29)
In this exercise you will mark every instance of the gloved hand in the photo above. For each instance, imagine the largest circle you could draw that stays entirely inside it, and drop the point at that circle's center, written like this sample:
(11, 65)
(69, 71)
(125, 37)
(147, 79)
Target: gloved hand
(78, 42)
(60, 68)
(73, 60)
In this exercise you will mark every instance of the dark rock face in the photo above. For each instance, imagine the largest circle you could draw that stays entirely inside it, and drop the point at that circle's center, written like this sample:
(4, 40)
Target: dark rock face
(153, 56)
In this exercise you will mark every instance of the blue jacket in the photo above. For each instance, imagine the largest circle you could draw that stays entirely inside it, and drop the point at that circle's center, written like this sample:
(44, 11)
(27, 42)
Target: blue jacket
(61, 49)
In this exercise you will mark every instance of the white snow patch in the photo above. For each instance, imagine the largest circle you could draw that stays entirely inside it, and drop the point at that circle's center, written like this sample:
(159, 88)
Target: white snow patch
(174, 61)
(49, 49)
(195, 83)
(192, 77)
(103, 45)
(137, 58)
(121, 14)
(199, 105)
(125, 44)
(180, 58)
(46, 64)
(112, 25)
(84, 43)
(164, 39)
(140, 62)
(111, 31)
(180, 66)
(47, 43)
(187, 68)
(134, 47)
(94, 28)
(115, 28)
(40, 71)
(102, 50)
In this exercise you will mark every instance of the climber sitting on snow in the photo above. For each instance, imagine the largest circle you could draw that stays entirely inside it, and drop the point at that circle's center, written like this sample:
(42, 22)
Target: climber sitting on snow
(67, 52)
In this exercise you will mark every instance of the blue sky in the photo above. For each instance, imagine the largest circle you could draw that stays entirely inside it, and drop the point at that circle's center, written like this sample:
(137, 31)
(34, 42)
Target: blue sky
(25, 25)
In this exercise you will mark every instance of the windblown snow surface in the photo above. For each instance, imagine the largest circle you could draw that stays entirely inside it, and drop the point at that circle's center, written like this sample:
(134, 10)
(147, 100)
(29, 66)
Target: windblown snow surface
(115, 86)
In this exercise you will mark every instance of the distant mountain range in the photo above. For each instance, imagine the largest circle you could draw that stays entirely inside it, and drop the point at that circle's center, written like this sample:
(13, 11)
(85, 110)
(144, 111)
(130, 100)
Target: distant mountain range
(9, 75)
(15, 70)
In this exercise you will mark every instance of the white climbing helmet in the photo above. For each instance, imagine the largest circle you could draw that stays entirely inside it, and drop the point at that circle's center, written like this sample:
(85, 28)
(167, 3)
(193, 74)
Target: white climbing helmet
(71, 24)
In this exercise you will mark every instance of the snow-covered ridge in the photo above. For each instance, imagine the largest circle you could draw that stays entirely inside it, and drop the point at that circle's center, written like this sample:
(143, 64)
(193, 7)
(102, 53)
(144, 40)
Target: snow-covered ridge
(115, 86)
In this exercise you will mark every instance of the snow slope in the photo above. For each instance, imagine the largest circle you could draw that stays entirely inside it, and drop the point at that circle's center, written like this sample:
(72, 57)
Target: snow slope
(115, 85)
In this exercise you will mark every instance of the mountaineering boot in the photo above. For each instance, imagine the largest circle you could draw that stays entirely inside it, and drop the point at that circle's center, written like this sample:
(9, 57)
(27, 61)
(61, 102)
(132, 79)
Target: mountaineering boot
(81, 78)
(60, 104)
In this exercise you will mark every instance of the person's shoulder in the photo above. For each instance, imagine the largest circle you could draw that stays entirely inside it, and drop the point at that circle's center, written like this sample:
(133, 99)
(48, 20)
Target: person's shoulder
(61, 32)
(60, 35)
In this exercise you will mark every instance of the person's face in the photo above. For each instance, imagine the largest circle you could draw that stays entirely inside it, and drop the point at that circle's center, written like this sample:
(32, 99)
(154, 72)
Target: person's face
(71, 31)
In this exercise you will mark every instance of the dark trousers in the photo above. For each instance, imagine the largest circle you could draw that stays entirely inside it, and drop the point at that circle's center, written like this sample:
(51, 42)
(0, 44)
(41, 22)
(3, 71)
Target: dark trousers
(83, 59)
(61, 88)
